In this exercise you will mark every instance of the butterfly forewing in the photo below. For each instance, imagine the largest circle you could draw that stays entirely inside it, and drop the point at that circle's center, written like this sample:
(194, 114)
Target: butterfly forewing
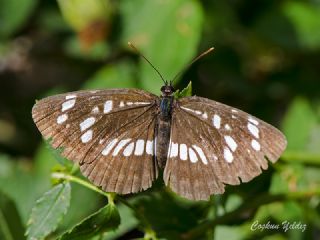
(107, 132)
(220, 144)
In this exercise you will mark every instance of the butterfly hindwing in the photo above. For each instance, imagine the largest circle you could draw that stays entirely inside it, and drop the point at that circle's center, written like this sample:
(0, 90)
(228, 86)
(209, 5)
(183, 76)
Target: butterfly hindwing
(128, 162)
(85, 123)
(220, 144)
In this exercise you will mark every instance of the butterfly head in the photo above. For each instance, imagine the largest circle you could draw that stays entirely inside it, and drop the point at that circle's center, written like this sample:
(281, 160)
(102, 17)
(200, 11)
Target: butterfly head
(167, 89)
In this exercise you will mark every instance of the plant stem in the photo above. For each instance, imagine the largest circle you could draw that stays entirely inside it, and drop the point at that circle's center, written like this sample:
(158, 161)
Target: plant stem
(245, 209)
(66, 176)
(300, 156)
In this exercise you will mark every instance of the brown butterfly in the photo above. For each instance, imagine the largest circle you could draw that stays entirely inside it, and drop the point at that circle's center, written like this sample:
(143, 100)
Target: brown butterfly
(122, 137)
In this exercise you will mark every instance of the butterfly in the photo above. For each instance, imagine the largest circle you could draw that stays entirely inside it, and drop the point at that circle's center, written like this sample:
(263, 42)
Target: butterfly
(123, 138)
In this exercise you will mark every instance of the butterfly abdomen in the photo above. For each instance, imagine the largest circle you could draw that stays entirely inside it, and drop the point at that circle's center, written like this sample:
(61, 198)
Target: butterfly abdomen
(163, 129)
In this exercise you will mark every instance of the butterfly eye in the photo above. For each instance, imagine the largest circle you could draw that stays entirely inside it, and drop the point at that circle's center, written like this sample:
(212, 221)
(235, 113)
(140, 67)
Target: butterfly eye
(167, 90)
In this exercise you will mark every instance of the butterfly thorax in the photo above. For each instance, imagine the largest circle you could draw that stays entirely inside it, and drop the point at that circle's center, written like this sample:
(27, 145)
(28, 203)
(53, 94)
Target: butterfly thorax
(163, 126)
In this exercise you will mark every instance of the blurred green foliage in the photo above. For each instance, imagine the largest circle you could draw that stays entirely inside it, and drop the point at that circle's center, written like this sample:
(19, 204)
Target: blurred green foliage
(266, 62)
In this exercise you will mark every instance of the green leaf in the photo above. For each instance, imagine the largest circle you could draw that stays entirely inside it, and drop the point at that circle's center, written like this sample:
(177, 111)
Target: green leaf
(13, 14)
(281, 211)
(16, 179)
(46, 159)
(186, 92)
(298, 124)
(80, 206)
(175, 216)
(113, 76)
(227, 232)
(287, 177)
(80, 13)
(49, 211)
(306, 22)
(106, 219)
(169, 37)
(98, 51)
(129, 223)
(11, 227)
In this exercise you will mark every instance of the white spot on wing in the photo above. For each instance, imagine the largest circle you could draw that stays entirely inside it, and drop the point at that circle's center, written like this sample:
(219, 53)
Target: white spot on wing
(141, 103)
(253, 130)
(216, 120)
(231, 143)
(205, 115)
(149, 147)
(139, 147)
(228, 155)
(187, 109)
(70, 96)
(192, 155)
(128, 150)
(120, 145)
(108, 148)
(129, 103)
(174, 151)
(68, 105)
(183, 152)
(121, 104)
(201, 154)
(193, 111)
(62, 118)
(227, 127)
(255, 145)
(87, 136)
(107, 106)
(87, 123)
(95, 110)
(252, 120)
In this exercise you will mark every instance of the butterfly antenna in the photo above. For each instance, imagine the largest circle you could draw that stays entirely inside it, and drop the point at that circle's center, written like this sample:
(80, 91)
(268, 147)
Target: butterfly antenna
(137, 51)
(192, 62)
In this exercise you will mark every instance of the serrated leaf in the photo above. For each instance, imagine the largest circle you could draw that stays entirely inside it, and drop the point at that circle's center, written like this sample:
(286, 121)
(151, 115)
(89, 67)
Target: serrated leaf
(169, 40)
(186, 92)
(11, 227)
(80, 206)
(106, 219)
(49, 211)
